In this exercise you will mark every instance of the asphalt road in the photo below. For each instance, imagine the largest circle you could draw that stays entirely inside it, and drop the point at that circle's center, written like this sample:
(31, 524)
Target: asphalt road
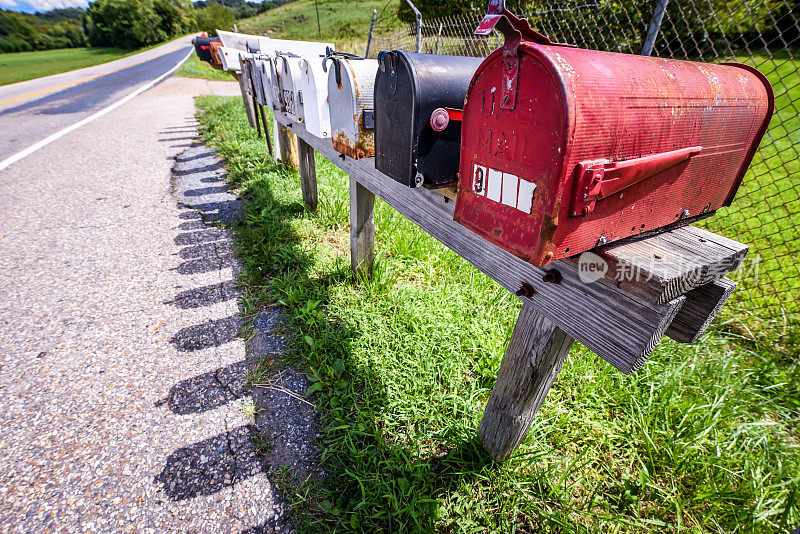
(30, 111)
(122, 405)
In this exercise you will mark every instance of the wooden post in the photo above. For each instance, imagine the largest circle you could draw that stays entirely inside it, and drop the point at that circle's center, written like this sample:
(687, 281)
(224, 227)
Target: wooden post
(532, 361)
(362, 226)
(308, 175)
(288, 143)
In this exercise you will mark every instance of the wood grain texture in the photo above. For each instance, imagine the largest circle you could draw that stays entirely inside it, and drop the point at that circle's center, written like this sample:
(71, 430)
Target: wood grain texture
(287, 140)
(534, 357)
(701, 307)
(362, 227)
(666, 265)
(618, 326)
(308, 175)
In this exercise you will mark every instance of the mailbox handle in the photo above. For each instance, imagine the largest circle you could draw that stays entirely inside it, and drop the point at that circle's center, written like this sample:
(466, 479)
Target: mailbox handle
(598, 179)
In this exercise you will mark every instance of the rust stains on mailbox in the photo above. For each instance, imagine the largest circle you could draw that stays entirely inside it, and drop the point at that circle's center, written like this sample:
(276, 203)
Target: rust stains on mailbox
(351, 80)
(565, 149)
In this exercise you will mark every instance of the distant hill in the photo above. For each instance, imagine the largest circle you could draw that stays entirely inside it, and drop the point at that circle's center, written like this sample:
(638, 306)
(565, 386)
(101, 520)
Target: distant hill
(60, 28)
(343, 22)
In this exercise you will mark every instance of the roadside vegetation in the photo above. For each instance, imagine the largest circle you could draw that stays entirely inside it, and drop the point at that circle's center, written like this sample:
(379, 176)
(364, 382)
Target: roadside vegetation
(194, 68)
(345, 23)
(703, 439)
(28, 65)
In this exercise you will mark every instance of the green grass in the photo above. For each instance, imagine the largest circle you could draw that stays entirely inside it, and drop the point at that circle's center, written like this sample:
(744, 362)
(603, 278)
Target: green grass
(703, 439)
(194, 68)
(21, 66)
(345, 23)
(766, 216)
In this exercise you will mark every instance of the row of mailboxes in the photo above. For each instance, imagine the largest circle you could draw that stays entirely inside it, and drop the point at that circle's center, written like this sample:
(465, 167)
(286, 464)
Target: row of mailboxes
(554, 150)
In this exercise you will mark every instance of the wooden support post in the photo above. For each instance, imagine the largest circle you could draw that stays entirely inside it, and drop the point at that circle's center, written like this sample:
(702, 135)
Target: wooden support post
(362, 226)
(287, 141)
(532, 361)
(308, 175)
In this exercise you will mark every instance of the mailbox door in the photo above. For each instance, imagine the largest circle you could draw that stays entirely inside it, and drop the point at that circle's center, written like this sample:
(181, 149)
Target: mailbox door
(511, 159)
(294, 65)
(274, 86)
(349, 97)
(247, 75)
(314, 87)
(230, 59)
(258, 82)
(409, 87)
(286, 83)
(216, 60)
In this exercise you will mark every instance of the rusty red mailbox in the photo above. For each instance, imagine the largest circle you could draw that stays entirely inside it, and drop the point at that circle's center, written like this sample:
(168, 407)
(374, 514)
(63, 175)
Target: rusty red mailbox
(565, 149)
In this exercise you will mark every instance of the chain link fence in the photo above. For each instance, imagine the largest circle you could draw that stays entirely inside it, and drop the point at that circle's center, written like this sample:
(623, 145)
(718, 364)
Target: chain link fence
(761, 33)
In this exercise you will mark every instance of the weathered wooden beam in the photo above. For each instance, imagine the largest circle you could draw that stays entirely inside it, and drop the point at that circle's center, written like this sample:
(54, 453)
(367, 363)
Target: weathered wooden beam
(534, 357)
(308, 175)
(287, 140)
(620, 327)
(698, 312)
(362, 227)
(660, 267)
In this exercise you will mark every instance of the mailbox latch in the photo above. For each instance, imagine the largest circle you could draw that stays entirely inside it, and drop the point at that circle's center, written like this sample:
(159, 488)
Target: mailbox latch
(598, 179)
(368, 119)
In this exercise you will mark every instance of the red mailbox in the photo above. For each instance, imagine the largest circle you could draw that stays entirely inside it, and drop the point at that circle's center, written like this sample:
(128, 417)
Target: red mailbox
(565, 149)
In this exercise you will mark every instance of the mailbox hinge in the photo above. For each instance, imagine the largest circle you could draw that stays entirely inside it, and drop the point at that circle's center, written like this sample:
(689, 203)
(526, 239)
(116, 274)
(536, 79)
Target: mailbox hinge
(598, 179)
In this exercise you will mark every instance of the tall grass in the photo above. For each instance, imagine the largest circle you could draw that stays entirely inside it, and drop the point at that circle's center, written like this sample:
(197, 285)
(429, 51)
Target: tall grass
(703, 439)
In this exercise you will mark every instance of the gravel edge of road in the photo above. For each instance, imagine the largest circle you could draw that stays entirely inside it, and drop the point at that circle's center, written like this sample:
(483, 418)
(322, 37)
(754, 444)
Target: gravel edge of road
(285, 424)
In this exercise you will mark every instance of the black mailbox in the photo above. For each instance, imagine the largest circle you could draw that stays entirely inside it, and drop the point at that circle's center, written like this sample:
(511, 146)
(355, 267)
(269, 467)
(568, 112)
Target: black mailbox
(202, 45)
(418, 101)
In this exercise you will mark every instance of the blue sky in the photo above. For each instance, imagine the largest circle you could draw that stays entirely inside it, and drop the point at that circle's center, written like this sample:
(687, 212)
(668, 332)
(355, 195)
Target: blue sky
(30, 6)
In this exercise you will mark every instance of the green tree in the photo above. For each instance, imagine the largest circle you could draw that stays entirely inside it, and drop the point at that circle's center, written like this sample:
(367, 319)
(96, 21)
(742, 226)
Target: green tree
(136, 23)
(214, 17)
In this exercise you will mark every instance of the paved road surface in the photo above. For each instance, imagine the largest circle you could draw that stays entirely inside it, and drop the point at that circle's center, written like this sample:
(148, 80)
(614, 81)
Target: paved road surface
(118, 410)
(32, 110)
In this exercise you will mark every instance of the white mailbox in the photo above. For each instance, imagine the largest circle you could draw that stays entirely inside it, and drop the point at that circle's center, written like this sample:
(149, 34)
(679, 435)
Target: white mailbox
(350, 85)
(230, 58)
(287, 69)
(314, 94)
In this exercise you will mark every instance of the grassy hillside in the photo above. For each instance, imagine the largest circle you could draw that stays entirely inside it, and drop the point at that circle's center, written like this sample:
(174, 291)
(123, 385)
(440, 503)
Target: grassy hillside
(343, 22)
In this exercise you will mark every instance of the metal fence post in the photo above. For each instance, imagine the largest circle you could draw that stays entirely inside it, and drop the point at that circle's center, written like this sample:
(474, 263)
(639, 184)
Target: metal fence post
(439, 36)
(371, 27)
(418, 16)
(655, 26)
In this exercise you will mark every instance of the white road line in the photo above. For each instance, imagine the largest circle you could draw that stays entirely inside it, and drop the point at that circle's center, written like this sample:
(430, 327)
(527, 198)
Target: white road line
(83, 122)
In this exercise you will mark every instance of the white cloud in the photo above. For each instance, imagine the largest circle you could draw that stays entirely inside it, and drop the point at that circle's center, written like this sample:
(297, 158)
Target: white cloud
(30, 6)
